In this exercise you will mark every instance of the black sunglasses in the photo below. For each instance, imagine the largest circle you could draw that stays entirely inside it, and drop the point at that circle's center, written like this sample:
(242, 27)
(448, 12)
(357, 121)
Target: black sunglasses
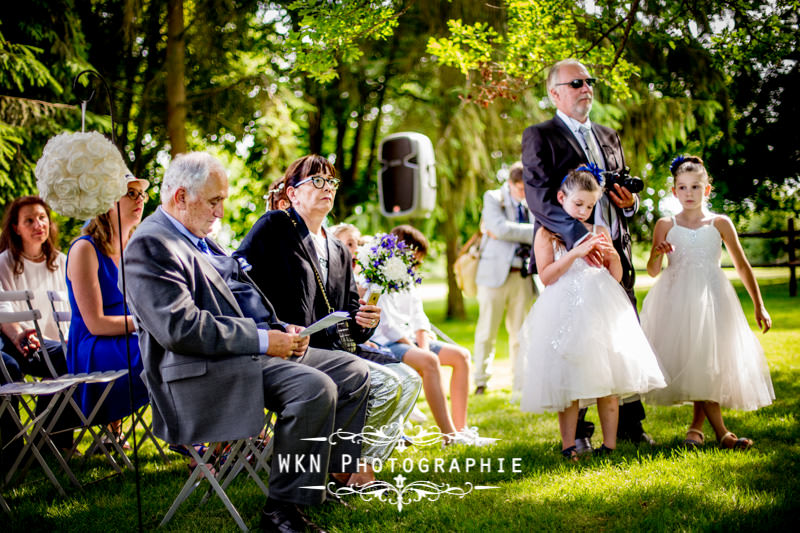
(578, 83)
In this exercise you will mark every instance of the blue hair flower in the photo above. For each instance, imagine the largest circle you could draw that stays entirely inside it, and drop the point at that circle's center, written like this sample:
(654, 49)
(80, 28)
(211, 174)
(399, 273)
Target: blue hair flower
(592, 169)
(677, 162)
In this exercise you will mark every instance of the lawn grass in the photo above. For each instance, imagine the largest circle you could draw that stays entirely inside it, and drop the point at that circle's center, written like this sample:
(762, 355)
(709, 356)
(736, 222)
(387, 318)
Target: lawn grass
(663, 488)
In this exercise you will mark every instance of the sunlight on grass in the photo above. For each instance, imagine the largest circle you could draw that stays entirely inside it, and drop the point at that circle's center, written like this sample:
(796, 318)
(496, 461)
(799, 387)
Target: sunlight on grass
(663, 488)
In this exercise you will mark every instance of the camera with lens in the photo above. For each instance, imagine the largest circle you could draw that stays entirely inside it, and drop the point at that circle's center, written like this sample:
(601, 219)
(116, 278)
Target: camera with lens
(524, 253)
(624, 179)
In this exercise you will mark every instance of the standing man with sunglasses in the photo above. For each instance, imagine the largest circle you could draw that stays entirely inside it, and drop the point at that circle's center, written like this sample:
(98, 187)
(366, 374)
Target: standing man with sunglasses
(551, 149)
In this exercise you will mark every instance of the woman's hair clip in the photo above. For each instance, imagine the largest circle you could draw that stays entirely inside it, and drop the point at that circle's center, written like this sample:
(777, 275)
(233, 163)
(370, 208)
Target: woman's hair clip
(676, 163)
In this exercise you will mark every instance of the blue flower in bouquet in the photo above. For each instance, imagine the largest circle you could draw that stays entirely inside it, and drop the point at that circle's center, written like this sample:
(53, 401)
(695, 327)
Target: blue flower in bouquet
(387, 263)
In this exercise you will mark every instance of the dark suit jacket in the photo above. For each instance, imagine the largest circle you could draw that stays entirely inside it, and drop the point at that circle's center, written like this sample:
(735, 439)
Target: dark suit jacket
(549, 151)
(279, 253)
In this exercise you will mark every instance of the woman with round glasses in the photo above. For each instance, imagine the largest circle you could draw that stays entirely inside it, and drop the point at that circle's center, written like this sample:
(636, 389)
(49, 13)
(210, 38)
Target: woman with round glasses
(306, 273)
(97, 330)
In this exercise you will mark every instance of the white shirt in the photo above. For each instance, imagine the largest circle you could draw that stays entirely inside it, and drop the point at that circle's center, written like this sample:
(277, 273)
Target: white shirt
(321, 246)
(575, 127)
(599, 214)
(38, 278)
(402, 315)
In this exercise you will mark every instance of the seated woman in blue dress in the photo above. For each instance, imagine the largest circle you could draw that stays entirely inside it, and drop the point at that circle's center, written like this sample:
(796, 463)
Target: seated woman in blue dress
(97, 331)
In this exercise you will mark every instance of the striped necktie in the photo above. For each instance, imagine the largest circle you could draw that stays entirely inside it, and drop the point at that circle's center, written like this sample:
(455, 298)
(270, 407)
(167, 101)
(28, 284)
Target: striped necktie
(591, 147)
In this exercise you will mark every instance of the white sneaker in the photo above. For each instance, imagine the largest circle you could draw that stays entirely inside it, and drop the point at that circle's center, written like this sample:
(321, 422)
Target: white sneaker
(470, 437)
(417, 415)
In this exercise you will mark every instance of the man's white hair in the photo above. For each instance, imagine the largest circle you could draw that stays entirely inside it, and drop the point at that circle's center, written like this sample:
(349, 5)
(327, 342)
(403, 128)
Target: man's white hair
(189, 171)
(552, 76)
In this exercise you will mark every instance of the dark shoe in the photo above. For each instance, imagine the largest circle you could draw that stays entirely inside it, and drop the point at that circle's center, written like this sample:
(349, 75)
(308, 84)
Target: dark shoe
(570, 454)
(583, 446)
(639, 437)
(480, 389)
(279, 517)
(602, 451)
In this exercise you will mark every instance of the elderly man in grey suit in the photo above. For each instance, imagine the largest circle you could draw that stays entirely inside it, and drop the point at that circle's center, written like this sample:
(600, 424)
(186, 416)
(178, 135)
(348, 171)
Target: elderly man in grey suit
(215, 354)
(502, 277)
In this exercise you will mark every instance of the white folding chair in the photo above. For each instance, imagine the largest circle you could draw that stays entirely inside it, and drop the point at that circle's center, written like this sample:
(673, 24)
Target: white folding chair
(108, 378)
(62, 319)
(227, 459)
(35, 432)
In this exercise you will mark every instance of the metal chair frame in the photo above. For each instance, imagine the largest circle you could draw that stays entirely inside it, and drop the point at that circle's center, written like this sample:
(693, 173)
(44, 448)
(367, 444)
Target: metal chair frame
(251, 454)
(86, 422)
(137, 417)
(34, 433)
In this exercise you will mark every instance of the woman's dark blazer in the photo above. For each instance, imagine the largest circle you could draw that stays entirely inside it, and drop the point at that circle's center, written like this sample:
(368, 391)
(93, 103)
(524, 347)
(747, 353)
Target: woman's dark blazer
(281, 256)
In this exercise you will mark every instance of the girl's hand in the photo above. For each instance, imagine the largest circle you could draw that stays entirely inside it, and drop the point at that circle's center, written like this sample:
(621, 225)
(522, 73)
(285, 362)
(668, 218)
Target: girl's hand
(762, 319)
(588, 245)
(664, 247)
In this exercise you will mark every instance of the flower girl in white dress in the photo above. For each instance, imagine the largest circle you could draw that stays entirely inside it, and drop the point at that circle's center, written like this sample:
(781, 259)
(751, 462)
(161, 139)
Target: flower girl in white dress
(581, 342)
(693, 318)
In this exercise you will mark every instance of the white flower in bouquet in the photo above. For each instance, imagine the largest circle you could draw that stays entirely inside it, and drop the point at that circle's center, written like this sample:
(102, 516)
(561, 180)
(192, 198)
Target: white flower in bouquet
(395, 269)
(80, 174)
(387, 264)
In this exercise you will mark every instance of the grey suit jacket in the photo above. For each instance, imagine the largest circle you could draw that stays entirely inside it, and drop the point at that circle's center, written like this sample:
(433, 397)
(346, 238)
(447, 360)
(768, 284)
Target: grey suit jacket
(500, 218)
(200, 353)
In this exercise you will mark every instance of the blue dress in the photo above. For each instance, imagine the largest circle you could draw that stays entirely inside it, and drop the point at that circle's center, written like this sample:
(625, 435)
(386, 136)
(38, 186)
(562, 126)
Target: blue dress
(91, 353)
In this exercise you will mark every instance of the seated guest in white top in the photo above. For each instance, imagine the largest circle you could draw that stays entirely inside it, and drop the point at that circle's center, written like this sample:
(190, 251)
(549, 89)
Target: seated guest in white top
(406, 331)
(30, 259)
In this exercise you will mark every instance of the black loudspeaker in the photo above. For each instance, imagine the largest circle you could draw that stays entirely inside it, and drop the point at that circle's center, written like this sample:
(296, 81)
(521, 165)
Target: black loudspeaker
(407, 178)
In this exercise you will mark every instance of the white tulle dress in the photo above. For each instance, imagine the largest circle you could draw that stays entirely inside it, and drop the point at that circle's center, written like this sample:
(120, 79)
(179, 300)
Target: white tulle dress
(697, 328)
(582, 341)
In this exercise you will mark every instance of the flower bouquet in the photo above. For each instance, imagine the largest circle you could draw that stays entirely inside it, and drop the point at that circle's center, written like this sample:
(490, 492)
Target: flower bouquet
(386, 266)
(80, 174)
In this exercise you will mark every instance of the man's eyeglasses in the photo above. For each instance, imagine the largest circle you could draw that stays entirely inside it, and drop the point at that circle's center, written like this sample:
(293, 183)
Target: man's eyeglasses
(134, 195)
(578, 83)
(319, 181)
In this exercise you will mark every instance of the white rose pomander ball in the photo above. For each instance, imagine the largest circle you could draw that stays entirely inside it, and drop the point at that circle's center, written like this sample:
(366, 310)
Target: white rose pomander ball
(81, 175)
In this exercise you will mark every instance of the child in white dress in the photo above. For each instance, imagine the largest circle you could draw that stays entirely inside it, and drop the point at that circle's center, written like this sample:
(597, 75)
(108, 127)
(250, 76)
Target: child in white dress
(581, 342)
(693, 318)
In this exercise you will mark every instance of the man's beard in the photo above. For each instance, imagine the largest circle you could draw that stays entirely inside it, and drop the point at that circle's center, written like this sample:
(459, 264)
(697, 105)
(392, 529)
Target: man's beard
(583, 107)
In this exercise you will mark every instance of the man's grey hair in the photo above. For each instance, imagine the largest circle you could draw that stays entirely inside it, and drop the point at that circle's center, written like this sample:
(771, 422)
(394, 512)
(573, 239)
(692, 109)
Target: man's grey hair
(189, 171)
(552, 76)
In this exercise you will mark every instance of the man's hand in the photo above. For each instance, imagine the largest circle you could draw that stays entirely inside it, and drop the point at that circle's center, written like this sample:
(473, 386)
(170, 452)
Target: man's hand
(368, 316)
(302, 342)
(282, 344)
(621, 197)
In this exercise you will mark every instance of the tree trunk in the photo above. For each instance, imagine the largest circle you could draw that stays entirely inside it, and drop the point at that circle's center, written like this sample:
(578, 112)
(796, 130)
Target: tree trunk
(455, 300)
(176, 85)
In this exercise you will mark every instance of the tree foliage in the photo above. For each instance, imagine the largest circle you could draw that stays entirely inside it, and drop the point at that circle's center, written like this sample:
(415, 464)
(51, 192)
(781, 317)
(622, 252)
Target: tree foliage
(266, 82)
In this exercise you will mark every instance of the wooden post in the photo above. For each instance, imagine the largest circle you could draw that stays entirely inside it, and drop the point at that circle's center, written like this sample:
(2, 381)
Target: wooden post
(792, 258)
